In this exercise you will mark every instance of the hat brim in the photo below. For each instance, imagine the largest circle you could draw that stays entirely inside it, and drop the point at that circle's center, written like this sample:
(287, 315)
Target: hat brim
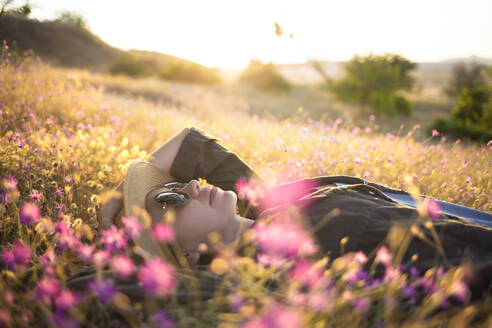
(142, 177)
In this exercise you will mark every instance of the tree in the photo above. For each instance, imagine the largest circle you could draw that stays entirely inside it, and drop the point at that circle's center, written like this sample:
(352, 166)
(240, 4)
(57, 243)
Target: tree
(72, 19)
(22, 11)
(465, 77)
(472, 116)
(373, 81)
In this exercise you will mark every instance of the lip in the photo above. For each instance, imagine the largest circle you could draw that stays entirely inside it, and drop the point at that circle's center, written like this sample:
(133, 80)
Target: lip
(212, 194)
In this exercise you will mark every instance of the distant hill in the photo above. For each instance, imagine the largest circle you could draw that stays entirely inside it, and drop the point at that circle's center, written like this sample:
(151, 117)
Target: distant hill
(57, 42)
(305, 73)
(68, 45)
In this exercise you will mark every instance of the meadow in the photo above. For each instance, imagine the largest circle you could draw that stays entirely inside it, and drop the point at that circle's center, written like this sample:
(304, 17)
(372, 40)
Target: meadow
(65, 144)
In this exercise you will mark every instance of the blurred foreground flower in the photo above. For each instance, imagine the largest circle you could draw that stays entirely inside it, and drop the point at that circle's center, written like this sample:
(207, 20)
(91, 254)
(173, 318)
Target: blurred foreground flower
(157, 277)
(18, 256)
(132, 225)
(162, 319)
(123, 266)
(163, 232)
(114, 239)
(284, 237)
(29, 214)
(103, 288)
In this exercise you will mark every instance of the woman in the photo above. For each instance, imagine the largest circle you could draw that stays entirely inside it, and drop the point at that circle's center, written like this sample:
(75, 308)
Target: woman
(342, 208)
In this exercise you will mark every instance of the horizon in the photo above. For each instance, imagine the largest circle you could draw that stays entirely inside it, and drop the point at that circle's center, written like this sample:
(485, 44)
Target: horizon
(202, 33)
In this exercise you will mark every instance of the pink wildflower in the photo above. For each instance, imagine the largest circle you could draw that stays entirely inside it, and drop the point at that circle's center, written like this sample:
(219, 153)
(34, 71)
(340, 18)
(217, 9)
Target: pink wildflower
(114, 239)
(101, 257)
(66, 300)
(249, 191)
(305, 273)
(163, 232)
(383, 256)
(132, 226)
(65, 237)
(35, 195)
(372, 117)
(271, 260)
(281, 237)
(460, 291)
(68, 179)
(433, 209)
(47, 289)
(361, 304)
(29, 214)
(157, 277)
(10, 183)
(122, 265)
(288, 193)
(283, 317)
(85, 252)
(360, 257)
(435, 133)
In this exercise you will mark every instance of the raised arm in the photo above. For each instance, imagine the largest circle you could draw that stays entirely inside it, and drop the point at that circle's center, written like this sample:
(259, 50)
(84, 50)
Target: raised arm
(163, 158)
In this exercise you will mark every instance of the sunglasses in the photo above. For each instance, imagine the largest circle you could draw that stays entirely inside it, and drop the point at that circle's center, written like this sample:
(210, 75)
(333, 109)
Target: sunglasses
(173, 196)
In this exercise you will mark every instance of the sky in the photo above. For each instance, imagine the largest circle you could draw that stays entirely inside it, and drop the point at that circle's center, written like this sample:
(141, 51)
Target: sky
(228, 33)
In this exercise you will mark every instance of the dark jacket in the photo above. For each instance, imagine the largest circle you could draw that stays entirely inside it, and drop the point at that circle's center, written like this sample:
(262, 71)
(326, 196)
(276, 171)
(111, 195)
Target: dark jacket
(365, 214)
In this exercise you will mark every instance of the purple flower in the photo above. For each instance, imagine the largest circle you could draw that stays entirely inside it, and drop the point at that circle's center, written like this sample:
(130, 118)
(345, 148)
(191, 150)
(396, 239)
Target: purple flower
(163, 232)
(21, 254)
(157, 277)
(59, 191)
(123, 266)
(162, 319)
(409, 291)
(132, 226)
(68, 179)
(414, 272)
(29, 214)
(103, 288)
(47, 289)
(48, 258)
(114, 239)
(61, 319)
(35, 195)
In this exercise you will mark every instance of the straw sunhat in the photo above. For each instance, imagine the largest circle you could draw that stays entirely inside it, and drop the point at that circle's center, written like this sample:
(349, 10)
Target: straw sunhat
(142, 177)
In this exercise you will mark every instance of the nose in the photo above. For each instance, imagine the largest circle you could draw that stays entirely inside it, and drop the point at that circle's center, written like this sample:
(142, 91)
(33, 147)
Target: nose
(192, 189)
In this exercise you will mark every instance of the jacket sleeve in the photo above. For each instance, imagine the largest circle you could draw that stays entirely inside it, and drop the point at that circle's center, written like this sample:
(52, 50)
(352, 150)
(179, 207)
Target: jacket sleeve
(200, 156)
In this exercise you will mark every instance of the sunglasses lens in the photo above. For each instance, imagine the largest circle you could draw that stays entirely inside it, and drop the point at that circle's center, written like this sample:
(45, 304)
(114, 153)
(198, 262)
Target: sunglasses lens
(170, 198)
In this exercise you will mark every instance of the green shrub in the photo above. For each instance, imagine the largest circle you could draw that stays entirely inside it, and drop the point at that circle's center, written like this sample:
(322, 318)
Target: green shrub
(185, 71)
(129, 65)
(264, 77)
(459, 130)
(387, 103)
(374, 80)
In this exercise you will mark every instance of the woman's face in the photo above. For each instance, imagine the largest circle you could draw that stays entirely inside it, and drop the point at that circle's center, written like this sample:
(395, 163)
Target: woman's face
(207, 210)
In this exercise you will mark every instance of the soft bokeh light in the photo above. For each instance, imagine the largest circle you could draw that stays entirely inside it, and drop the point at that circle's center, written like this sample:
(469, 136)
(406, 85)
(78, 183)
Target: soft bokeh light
(229, 33)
